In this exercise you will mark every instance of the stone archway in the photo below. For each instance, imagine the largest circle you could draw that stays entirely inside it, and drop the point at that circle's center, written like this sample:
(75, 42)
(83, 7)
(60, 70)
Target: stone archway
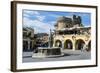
(58, 43)
(68, 44)
(79, 44)
(25, 45)
(89, 46)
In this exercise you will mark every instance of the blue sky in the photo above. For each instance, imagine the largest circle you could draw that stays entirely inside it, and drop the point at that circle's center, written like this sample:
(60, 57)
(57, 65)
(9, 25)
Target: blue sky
(43, 21)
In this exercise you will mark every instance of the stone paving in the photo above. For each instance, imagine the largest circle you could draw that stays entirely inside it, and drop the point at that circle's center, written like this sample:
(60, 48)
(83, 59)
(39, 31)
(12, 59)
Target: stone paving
(68, 55)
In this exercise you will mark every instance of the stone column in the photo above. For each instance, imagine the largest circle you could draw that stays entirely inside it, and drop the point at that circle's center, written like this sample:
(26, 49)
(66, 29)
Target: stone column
(28, 44)
(50, 39)
(54, 43)
(62, 44)
(74, 42)
(74, 45)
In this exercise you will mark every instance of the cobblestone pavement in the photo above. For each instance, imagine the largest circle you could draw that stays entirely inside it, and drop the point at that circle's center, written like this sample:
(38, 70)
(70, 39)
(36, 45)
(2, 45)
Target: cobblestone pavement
(68, 55)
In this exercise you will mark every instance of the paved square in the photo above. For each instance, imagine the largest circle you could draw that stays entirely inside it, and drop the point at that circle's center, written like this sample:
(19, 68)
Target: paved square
(68, 55)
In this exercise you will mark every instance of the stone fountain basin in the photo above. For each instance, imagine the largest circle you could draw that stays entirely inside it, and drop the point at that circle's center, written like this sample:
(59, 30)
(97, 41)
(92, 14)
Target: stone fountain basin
(43, 52)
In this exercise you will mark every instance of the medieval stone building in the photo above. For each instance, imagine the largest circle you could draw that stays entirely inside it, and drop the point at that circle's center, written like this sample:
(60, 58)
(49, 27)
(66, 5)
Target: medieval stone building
(71, 34)
(28, 39)
(41, 39)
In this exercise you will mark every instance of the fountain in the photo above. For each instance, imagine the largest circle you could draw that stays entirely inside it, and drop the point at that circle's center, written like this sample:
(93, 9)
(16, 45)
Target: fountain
(49, 51)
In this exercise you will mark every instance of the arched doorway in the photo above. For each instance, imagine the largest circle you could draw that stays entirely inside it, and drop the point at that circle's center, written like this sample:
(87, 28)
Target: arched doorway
(89, 46)
(25, 45)
(79, 44)
(58, 43)
(68, 44)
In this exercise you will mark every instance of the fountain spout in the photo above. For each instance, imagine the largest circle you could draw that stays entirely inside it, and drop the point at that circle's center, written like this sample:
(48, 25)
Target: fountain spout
(49, 51)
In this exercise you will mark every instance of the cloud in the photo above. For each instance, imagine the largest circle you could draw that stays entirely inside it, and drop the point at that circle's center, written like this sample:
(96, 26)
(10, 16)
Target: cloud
(54, 15)
(31, 12)
(52, 23)
(37, 25)
(40, 18)
(36, 14)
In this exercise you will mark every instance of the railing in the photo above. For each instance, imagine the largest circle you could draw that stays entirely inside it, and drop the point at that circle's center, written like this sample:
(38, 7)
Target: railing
(59, 36)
